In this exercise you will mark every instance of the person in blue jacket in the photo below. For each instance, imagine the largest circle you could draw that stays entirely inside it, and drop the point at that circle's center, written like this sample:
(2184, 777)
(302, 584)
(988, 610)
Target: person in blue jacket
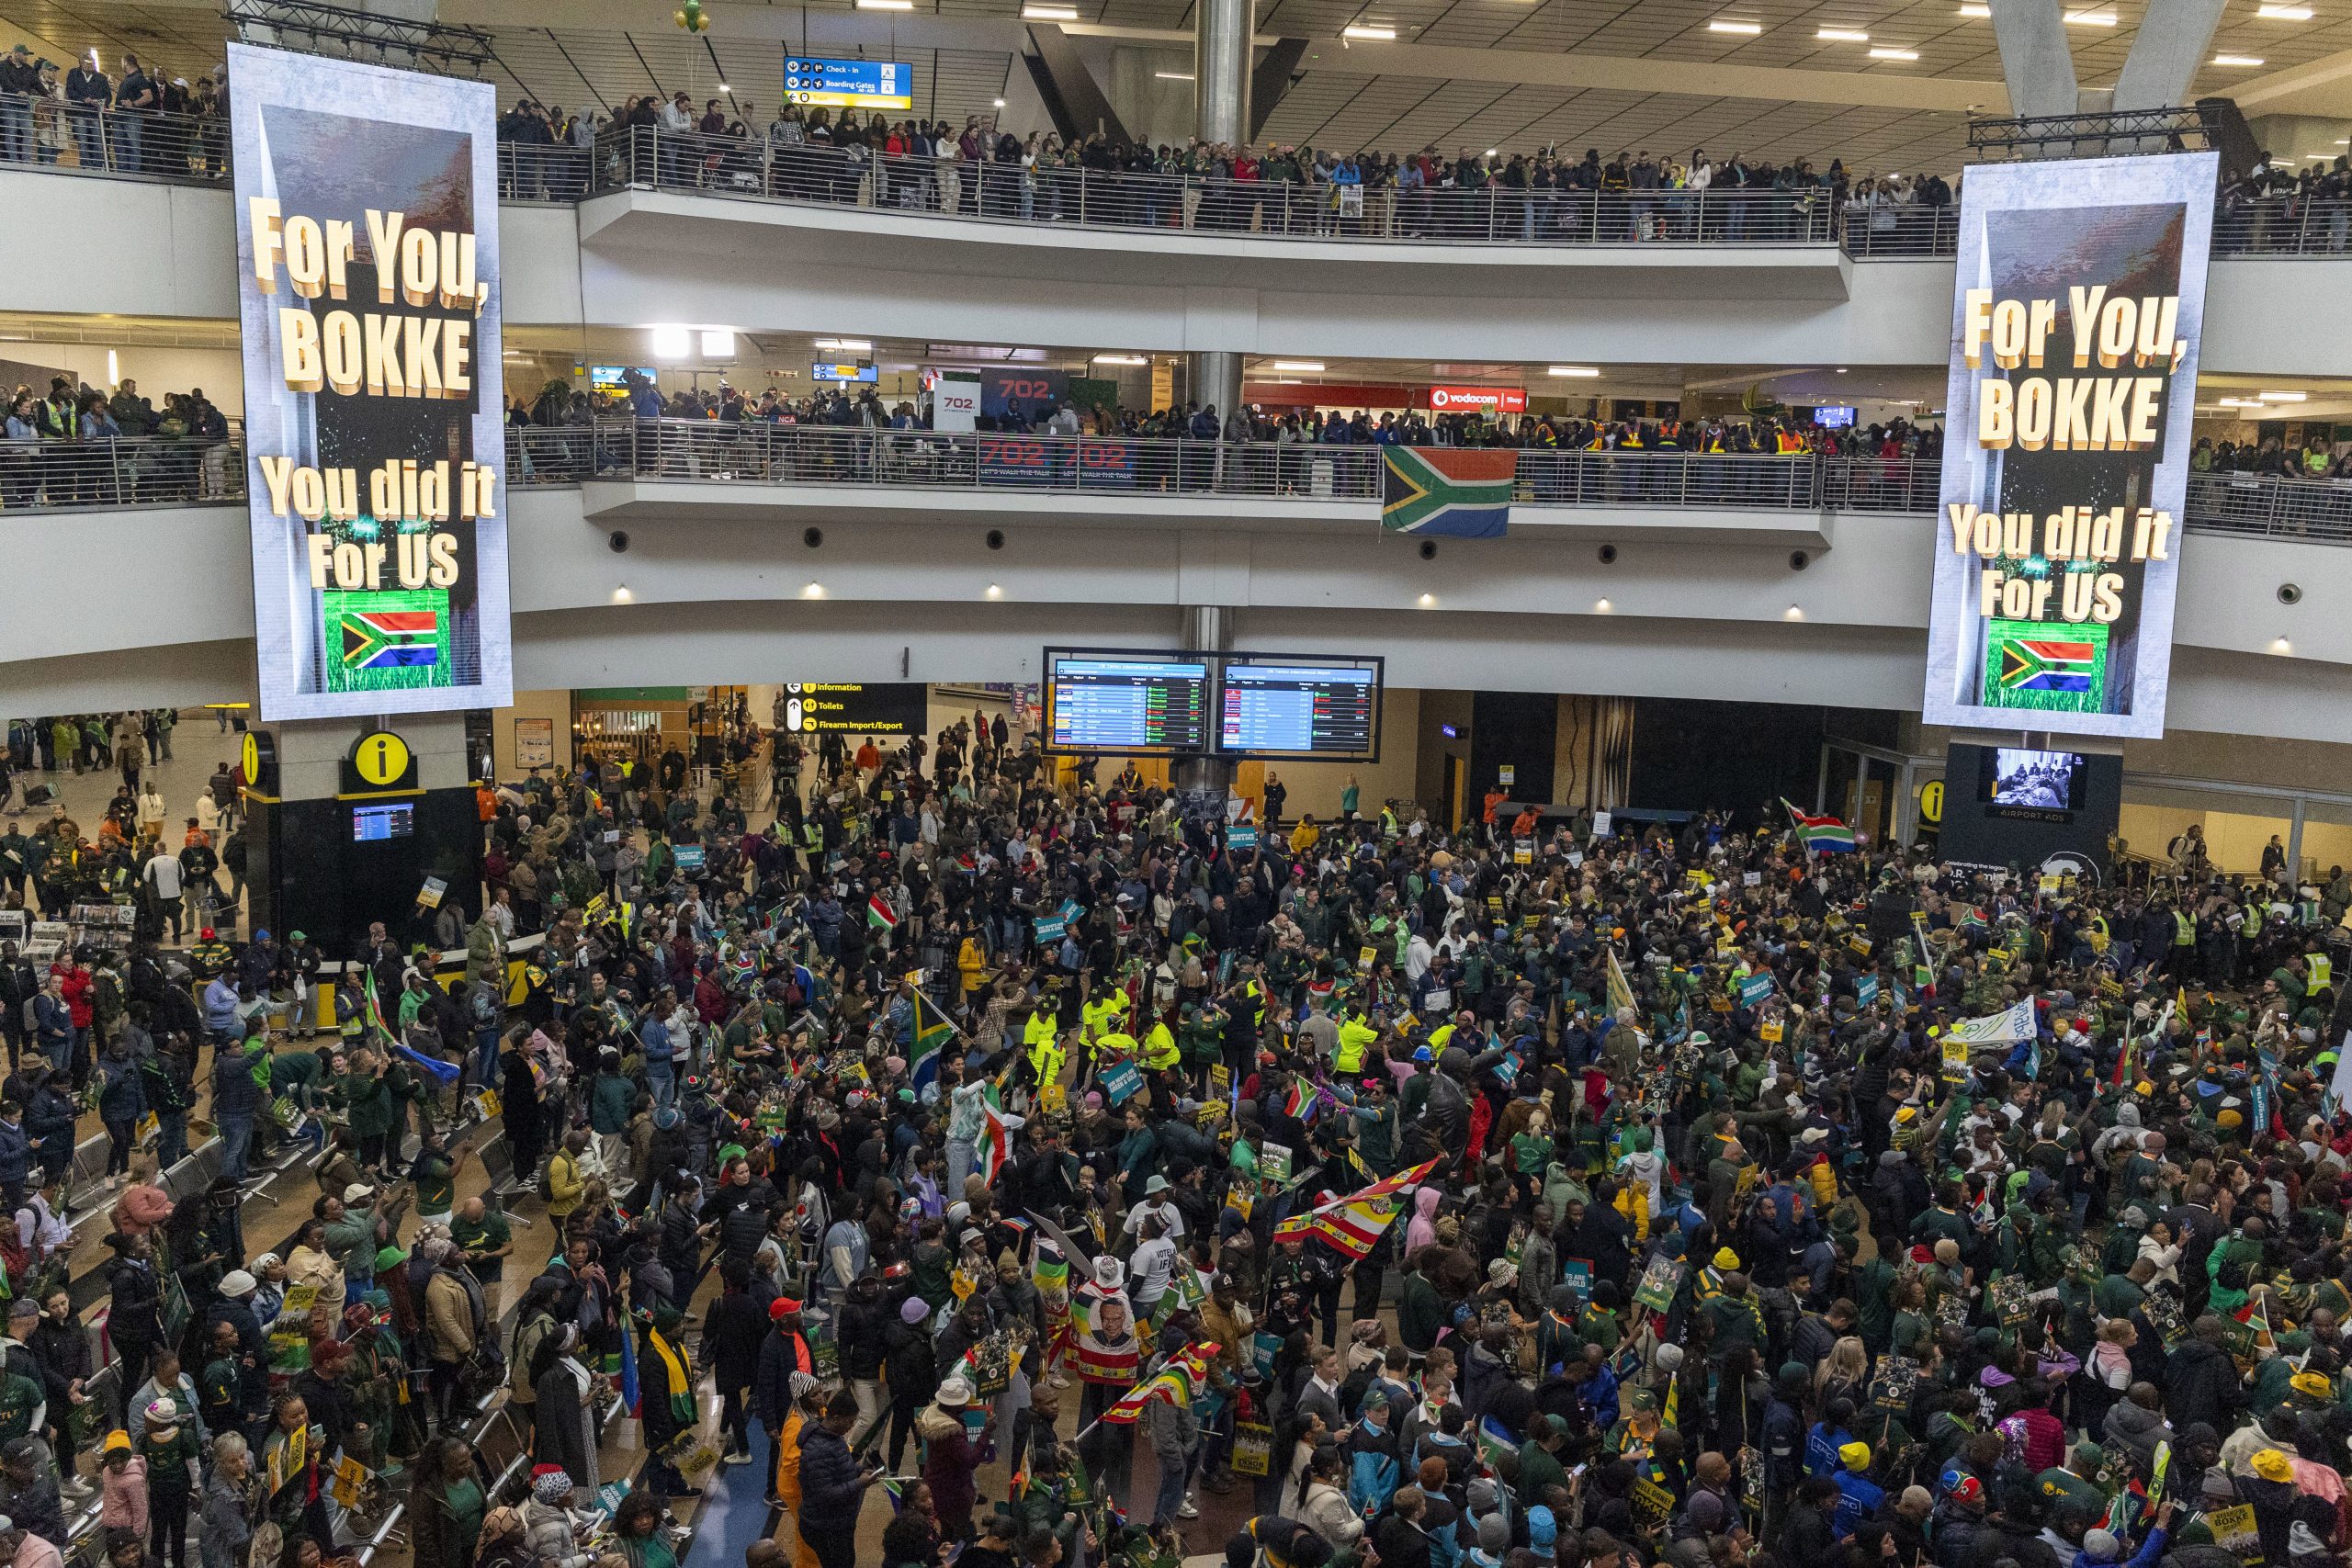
(1859, 1497)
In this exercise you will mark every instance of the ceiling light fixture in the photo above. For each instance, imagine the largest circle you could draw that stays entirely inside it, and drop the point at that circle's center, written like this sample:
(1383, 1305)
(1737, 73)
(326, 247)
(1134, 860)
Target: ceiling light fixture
(1841, 370)
(2237, 60)
(998, 102)
(1175, 75)
(1305, 364)
(1369, 34)
(885, 4)
(2283, 13)
(1894, 54)
(1749, 29)
(1978, 13)
(726, 89)
(1049, 13)
(1428, 600)
(718, 343)
(2090, 18)
(1843, 34)
(1121, 359)
(844, 345)
(672, 343)
(2286, 397)
(1584, 372)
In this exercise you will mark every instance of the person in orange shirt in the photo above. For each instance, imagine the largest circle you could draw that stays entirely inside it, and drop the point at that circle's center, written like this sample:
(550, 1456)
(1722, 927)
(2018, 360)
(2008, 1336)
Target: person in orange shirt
(868, 759)
(1523, 824)
(1497, 798)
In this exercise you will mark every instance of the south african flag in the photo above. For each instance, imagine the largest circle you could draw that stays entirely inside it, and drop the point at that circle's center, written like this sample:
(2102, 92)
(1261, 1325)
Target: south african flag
(2034, 664)
(1461, 492)
(394, 640)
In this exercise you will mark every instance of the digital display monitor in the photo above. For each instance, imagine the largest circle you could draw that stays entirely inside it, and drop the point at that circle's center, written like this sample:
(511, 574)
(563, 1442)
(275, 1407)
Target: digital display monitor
(2077, 309)
(1838, 417)
(815, 82)
(608, 376)
(1270, 706)
(836, 372)
(2038, 781)
(377, 824)
(1128, 703)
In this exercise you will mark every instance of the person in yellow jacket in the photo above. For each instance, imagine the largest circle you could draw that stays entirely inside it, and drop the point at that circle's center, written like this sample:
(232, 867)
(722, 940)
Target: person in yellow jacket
(1106, 1011)
(1821, 1174)
(566, 1183)
(971, 964)
(1042, 1048)
(1356, 1038)
(1305, 836)
(1159, 1052)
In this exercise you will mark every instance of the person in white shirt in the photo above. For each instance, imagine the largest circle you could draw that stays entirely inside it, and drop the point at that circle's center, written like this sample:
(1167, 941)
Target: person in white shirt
(40, 1231)
(1150, 1268)
(162, 876)
(1156, 1206)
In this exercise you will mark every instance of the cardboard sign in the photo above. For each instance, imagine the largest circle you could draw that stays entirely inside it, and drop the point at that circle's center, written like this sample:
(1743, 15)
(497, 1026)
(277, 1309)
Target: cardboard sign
(1898, 1378)
(1121, 1082)
(1600, 824)
(1865, 989)
(2233, 1531)
(1773, 1031)
(1754, 988)
(1576, 1274)
(1274, 1162)
(1253, 1448)
(1365, 957)
(1660, 1283)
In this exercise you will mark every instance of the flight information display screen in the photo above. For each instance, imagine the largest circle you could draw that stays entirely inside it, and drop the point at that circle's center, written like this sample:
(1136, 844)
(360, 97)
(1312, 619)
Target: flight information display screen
(1133, 704)
(815, 82)
(1289, 707)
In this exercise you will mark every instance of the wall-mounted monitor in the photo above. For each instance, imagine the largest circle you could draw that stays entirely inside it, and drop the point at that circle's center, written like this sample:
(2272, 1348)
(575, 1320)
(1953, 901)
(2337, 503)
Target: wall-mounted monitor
(1126, 701)
(1301, 707)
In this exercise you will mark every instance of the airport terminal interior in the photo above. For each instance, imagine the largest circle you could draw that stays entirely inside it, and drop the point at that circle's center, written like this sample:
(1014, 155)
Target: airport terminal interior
(1322, 784)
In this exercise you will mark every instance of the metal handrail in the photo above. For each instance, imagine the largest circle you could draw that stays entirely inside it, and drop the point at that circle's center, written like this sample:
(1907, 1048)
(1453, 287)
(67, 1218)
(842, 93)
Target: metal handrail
(122, 470)
(93, 139)
(162, 471)
(2283, 225)
(758, 168)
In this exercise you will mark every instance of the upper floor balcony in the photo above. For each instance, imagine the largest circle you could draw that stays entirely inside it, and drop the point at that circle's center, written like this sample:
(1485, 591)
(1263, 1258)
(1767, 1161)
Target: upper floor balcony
(641, 471)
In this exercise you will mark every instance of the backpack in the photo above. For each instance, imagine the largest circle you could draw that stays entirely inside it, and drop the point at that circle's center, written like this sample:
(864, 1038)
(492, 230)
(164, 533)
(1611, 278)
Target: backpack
(547, 1179)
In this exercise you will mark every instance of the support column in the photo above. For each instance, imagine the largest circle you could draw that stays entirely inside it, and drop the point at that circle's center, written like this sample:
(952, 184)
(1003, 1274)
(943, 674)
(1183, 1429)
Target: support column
(1206, 628)
(2295, 843)
(1222, 35)
(1212, 380)
(2036, 60)
(2166, 54)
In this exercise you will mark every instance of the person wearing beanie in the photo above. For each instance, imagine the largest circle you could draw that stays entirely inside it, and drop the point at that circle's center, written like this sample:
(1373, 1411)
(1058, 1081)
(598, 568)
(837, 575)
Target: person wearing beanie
(2101, 1550)
(1859, 1497)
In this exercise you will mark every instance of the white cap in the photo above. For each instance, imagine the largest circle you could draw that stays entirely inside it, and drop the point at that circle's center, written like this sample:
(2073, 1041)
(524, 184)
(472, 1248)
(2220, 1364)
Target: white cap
(954, 1392)
(358, 1192)
(236, 1282)
(1109, 1272)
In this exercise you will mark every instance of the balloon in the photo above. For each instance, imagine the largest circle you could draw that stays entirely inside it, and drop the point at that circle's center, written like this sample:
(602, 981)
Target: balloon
(680, 17)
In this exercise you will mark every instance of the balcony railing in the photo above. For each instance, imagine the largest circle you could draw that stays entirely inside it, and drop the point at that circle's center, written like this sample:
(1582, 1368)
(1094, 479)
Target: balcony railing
(135, 144)
(2277, 226)
(188, 470)
(758, 169)
(124, 470)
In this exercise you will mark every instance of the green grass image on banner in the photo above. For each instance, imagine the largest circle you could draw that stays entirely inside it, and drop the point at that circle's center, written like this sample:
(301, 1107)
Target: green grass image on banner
(2047, 666)
(396, 640)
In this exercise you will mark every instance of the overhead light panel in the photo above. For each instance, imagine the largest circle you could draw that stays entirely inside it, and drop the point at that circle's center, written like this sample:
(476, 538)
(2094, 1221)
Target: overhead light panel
(1049, 13)
(2283, 13)
(2286, 397)
(1308, 366)
(1894, 54)
(1581, 372)
(1175, 75)
(1843, 34)
(672, 343)
(2090, 18)
(844, 345)
(2237, 60)
(1749, 29)
(1367, 34)
(1120, 359)
(1977, 12)
(885, 4)
(718, 343)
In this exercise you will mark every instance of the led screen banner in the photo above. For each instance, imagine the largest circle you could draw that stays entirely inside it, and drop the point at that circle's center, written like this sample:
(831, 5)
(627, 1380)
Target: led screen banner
(2076, 318)
(368, 286)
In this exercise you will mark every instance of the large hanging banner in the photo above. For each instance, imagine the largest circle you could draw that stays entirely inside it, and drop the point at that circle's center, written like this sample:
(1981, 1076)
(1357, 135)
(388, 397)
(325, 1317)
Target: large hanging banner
(376, 458)
(2077, 311)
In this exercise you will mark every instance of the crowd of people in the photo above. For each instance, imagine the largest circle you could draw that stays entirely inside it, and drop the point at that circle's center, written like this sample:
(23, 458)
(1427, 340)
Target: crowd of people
(1695, 1198)
(66, 448)
(141, 121)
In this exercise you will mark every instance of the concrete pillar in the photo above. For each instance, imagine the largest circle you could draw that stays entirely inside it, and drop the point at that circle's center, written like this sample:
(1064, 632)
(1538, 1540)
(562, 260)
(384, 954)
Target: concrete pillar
(2035, 58)
(2166, 53)
(1214, 377)
(2295, 842)
(1222, 35)
(1206, 628)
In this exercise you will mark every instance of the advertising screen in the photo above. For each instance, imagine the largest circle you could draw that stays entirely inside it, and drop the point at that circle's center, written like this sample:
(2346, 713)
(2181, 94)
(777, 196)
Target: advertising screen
(2046, 781)
(1834, 416)
(816, 83)
(2076, 318)
(849, 709)
(1280, 707)
(1128, 703)
(367, 221)
(377, 824)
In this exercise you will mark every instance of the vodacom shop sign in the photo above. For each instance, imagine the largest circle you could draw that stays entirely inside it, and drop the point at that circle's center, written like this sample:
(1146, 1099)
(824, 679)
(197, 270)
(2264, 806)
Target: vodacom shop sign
(1477, 399)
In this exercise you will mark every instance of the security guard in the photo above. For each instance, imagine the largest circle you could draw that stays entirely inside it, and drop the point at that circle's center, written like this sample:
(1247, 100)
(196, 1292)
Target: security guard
(1159, 1052)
